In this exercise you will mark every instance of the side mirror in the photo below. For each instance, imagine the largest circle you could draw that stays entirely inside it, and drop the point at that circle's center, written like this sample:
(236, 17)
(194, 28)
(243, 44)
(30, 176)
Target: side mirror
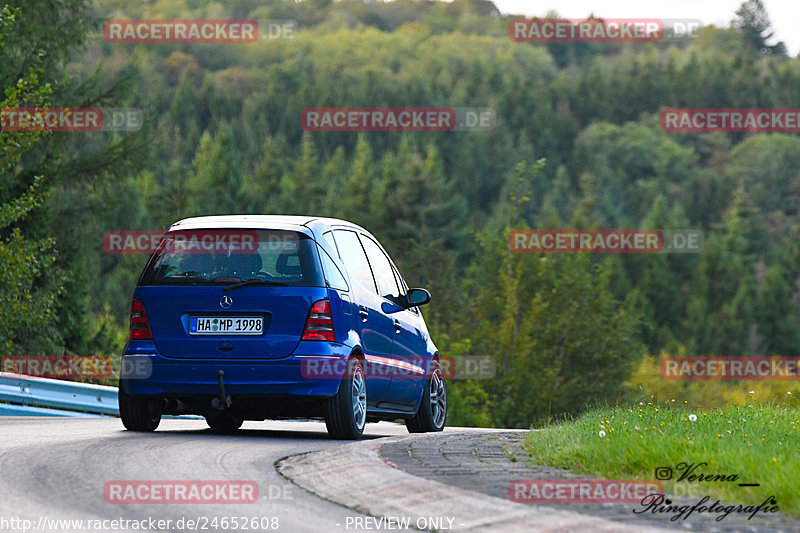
(416, 297)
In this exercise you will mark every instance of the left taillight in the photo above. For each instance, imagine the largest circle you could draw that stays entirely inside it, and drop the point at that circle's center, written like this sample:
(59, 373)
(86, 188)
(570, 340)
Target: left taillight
(140, 326)
(319, 324)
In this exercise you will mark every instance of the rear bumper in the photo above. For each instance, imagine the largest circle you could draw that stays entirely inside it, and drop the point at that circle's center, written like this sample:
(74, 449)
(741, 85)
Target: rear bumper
(145, 372)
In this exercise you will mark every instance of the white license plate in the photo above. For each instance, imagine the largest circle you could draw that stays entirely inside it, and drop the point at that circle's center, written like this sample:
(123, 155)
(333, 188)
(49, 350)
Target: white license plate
(218, 325)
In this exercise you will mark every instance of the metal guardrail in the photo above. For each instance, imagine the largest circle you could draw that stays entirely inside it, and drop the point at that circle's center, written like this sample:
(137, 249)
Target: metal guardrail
(33, 396)
(7, 409)
(55, 397)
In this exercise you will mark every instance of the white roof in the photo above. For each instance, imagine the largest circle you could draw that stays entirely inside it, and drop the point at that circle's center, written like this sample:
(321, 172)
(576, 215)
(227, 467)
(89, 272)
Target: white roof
(256, 221)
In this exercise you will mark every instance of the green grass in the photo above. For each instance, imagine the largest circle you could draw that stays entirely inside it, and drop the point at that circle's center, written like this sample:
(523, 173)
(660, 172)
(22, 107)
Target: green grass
(759, 443)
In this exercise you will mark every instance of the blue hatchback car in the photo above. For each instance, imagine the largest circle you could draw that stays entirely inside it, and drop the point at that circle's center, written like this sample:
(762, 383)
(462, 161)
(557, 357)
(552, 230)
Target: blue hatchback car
(260, 317)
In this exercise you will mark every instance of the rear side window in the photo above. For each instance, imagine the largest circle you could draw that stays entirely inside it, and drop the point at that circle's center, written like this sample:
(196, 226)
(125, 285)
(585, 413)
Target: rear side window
(353, 257)
(332, 274)
(224, 256)
(328, 236)
(382, 269)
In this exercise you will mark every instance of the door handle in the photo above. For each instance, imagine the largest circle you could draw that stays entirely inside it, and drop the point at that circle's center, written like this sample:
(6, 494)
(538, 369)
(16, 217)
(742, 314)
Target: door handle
(397, 326)
(362, 312)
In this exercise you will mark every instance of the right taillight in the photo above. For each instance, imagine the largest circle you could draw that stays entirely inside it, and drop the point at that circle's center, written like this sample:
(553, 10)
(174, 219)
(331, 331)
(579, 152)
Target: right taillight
(319, 324)
(140, 326)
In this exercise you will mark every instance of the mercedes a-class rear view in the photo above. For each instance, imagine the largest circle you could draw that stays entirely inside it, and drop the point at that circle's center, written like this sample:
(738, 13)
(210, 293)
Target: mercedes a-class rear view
(263, 317)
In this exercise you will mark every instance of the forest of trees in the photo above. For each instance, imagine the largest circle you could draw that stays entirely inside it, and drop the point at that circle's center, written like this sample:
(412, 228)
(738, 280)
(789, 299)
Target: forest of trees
(577, 144)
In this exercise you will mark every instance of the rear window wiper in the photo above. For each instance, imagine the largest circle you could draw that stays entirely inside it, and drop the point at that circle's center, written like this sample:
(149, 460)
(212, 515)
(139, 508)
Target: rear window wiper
(253, 281)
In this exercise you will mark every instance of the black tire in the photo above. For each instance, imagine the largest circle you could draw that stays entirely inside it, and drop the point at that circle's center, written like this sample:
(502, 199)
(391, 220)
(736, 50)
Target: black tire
(346, 411)
(432, 413)
(224, 422)
(138, 414)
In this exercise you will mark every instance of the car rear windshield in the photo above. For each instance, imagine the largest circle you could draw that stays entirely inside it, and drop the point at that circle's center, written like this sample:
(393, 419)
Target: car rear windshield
(226, 256)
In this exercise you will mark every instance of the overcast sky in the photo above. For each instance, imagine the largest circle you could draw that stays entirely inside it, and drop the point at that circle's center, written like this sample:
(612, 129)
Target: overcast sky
(784, 14)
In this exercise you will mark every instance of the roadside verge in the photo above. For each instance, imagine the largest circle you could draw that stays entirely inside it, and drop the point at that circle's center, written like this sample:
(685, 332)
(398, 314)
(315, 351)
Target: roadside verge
(353, 475)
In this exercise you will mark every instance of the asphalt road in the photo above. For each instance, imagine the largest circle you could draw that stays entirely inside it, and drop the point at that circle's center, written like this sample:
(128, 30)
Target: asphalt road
(57, 468)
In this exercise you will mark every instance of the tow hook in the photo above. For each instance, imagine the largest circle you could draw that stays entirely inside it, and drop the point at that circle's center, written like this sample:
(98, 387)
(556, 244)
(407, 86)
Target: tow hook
(223, 401)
